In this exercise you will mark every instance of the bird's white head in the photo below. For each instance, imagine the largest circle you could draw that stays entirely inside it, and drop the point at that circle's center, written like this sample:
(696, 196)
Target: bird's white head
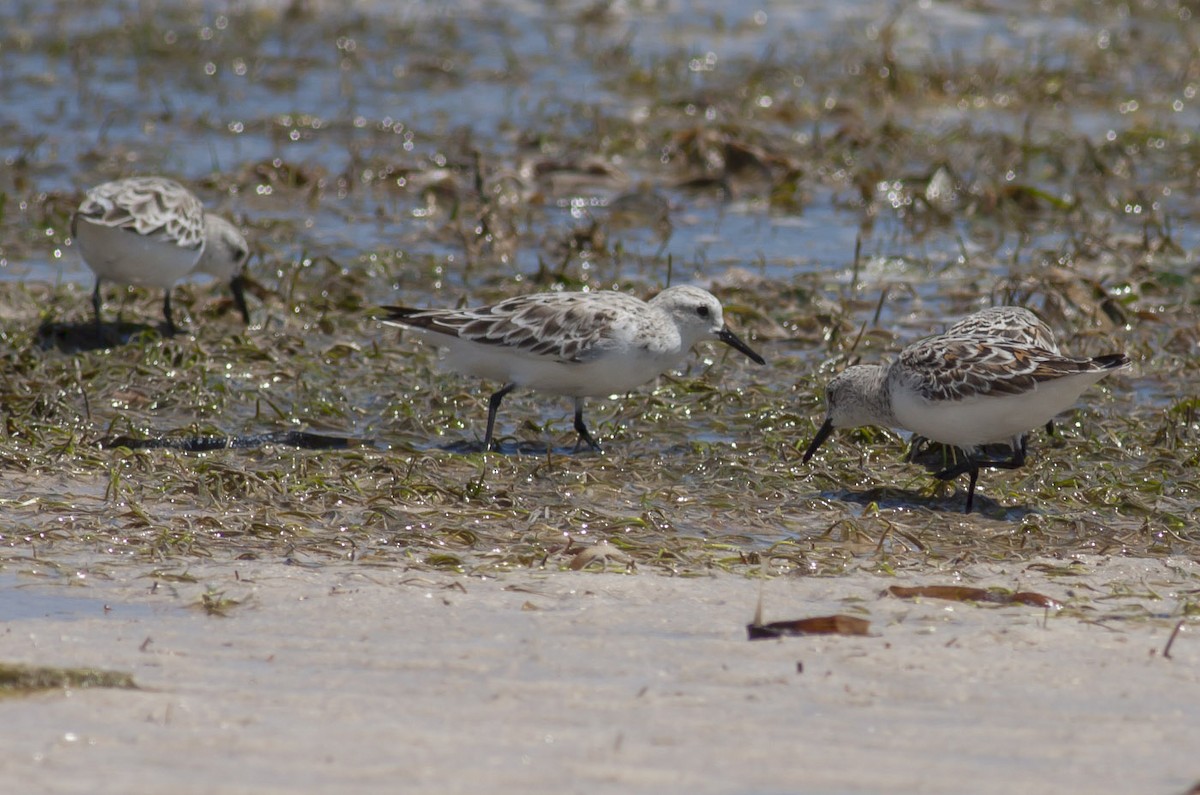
(698, 316)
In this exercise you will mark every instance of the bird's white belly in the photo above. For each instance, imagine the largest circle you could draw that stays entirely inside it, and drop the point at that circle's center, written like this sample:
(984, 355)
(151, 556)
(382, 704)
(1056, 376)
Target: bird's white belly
(606, 375)
(126, 257)
(989, 418)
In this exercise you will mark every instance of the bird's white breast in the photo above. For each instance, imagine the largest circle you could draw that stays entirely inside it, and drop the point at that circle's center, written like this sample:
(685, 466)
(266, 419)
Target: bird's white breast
(608, 373)
(988, 418)
(124, 256)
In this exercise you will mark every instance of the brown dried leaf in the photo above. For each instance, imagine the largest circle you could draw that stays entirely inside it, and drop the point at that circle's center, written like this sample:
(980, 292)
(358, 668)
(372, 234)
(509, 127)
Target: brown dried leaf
(820, 625)
(961, 593)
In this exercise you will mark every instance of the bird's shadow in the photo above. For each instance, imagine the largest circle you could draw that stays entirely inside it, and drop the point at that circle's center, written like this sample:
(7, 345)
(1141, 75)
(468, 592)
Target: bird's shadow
(935, 456)
(891, 497)
(87, 336)
(516, 448)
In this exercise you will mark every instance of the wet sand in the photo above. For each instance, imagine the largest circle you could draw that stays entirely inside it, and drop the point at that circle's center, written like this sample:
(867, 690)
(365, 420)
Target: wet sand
(358, 679)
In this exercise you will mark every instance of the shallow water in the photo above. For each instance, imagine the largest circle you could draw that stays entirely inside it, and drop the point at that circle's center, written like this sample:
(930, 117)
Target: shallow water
(342, 86)
(24, 600)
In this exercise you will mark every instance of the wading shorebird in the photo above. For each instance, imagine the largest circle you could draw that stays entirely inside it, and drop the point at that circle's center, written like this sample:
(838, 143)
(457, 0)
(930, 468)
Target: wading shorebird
(572, 343)
(965, 391)
(152, 232)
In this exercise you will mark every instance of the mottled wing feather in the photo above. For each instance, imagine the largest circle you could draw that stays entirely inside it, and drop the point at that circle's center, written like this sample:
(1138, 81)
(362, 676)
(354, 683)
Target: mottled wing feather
(959, 368)
(567, 327)
(1011, 322)
(148, 206)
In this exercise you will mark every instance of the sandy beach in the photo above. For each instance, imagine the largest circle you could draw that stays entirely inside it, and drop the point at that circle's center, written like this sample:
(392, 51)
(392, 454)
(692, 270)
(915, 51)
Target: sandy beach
(377, 680)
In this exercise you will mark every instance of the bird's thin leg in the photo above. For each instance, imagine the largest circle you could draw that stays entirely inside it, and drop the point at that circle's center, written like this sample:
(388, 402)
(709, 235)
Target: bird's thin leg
(237, 286)
(961, 466)
(1050, 427)
(966, 466)
(1019, 446)
(971, 489)
(96, 303)
(915, 446)
(493, 406)
(922, 448)
(581, 428)
(972, 466)
(167, 314)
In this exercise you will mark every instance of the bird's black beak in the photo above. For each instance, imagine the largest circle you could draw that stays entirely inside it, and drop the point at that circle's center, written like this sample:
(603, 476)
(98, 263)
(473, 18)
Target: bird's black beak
(819, 439)
(734, 341)
(238, 287)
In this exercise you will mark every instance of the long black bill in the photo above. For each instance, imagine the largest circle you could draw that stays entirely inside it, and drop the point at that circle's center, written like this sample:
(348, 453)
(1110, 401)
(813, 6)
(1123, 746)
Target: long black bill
(819, 439)
(238, 287)
(734, 341)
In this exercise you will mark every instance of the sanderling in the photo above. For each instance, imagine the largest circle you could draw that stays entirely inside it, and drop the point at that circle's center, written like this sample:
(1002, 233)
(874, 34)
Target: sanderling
(963, 391)
(575, 344)
(1012, 322)
(152, 232)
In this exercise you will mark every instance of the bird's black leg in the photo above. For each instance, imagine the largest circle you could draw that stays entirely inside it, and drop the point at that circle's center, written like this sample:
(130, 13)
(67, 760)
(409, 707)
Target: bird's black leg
(967, 465)
(96, 303)
(961, 466)
(922, 447)
(971, 489)
(493, 406)
(237, 286)
(1050, 427)
(581, 428)
(167, 314)
(915, 445)
(971, 465)
(1019, 446)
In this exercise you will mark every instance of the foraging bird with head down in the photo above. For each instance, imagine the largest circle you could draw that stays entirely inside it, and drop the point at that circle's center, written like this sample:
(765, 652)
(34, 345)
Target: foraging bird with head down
(153, 232)
(966, 391)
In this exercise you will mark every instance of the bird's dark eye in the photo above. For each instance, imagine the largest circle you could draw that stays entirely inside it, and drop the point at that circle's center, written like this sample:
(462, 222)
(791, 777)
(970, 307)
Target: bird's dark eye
(702, 311)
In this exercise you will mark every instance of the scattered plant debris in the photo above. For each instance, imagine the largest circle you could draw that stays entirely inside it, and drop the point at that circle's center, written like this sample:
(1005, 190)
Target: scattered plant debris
(203, 443)
(1171, 640)
(17, 679)
(818, 625)
(961, 593)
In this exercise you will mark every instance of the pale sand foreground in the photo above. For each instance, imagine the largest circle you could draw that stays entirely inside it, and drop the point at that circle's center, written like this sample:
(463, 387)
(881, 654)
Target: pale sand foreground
(357, 679)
